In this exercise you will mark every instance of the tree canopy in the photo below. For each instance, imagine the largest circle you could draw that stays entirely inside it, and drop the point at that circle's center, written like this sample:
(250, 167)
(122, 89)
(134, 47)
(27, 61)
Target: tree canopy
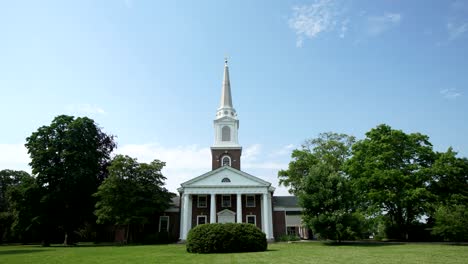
(391, 169)
(132, 193)
(316, 175)
(69, 158)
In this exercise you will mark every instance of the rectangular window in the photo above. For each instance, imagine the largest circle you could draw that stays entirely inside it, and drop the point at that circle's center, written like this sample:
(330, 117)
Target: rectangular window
(201, 201)
(226, 201)
(201, 219)
(250, 200)
(292, 230)
(164, 224)
(251, 219)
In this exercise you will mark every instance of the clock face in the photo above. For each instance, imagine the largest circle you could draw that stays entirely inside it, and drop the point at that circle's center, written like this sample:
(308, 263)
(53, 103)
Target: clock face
(225, 112)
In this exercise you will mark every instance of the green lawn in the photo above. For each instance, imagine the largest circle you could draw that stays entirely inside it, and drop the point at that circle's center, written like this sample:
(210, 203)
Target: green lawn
(277, 253)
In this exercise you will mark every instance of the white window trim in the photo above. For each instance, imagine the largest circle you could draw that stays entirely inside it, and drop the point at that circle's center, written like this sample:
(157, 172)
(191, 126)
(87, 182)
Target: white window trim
(198, 201)
(255, 202)
(167, 225)
(201, 216)
(254, 217)
(222, 160)
(222, 200)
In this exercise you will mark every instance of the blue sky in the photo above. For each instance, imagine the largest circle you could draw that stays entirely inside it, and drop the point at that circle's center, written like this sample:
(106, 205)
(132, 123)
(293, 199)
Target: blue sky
(150, 72)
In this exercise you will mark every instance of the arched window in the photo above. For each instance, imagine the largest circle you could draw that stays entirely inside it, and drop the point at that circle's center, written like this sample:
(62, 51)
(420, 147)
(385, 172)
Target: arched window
(226, 133)
(225, 180)
(226, 161)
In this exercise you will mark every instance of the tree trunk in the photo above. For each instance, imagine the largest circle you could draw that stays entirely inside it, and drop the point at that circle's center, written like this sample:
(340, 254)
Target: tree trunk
(128, 232)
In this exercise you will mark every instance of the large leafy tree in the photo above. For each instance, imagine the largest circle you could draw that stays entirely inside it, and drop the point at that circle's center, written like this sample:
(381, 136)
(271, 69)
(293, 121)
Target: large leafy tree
(132, 193)
(316, 175)
(69, 158)
(392, 171)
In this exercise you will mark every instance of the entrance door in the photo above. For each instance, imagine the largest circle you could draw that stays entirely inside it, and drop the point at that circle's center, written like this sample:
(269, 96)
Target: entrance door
(226, 216)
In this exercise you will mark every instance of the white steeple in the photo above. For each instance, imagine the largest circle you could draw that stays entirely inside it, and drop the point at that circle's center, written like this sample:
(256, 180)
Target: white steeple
(226, 99)
(226, 123)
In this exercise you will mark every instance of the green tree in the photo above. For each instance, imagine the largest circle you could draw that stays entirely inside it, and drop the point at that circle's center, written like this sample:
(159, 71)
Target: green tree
(8, 180)
(391, 170)
(132, 193)
(316, 175)
(450, 185)
(25, 208)
(69, 158)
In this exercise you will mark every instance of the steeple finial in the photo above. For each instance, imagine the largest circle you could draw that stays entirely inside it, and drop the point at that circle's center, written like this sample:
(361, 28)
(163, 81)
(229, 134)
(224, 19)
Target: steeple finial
(226, 100)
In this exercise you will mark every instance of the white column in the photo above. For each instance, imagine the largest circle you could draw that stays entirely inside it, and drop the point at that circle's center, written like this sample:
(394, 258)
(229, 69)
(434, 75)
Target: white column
(189, 215)
(184, 219)
(239, 208)
(265, 214)
(213, 208)
(270, 216)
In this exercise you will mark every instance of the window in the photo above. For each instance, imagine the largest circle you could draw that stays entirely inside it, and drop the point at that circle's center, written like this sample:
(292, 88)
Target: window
(163, 223)
(250, 200)
(251, 219)
(226, 161)
(226, 201)
(201, 219)
(201, 201)
(226, 133)
(291, 230)
(225, 180)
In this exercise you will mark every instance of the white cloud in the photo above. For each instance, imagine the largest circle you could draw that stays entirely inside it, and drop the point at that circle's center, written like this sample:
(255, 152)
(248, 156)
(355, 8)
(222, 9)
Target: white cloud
(14, 157)
(450, 93)
(456, 30)
(250, 153)
(284, 151)
(379, 24)
(310, 20)
(85, 109)
(182, 162)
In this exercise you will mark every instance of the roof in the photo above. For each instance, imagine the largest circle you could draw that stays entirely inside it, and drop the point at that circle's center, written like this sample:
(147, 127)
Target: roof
(285, 201)
(175, 201)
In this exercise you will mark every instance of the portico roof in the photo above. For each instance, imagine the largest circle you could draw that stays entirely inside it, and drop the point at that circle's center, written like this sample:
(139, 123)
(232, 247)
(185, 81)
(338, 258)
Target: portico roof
(225, 177)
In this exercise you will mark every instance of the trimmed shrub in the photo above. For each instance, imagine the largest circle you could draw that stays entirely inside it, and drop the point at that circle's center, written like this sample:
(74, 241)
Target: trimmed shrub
(226, 238)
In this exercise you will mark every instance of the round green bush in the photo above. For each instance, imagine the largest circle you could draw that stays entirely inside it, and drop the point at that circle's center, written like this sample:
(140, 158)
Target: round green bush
(226, 238)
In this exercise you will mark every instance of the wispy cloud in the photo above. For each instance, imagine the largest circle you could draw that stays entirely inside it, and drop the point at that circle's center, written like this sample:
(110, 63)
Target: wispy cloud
(450, 93)
(344, 27)
(379, 24)
(85, 109)
(456, 30)
(310, 20)
(284, 151)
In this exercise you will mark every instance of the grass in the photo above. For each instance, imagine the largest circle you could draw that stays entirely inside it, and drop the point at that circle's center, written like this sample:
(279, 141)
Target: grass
(277, 253)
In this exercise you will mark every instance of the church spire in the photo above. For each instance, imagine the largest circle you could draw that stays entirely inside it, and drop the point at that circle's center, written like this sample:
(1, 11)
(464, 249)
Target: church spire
(226, 149)
(226, 99)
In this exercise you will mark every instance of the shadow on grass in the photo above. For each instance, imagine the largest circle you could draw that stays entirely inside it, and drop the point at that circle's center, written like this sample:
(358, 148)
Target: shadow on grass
(21, 251)
(362, 244)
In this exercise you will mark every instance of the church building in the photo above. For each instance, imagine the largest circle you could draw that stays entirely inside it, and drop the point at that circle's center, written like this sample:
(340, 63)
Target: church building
(226, 194)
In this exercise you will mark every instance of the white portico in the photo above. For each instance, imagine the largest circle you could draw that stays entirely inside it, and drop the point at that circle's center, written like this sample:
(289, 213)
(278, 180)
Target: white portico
(226, 195)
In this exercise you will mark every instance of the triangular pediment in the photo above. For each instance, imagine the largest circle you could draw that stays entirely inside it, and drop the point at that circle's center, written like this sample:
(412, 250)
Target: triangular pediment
(224, 177)
(226, 212)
